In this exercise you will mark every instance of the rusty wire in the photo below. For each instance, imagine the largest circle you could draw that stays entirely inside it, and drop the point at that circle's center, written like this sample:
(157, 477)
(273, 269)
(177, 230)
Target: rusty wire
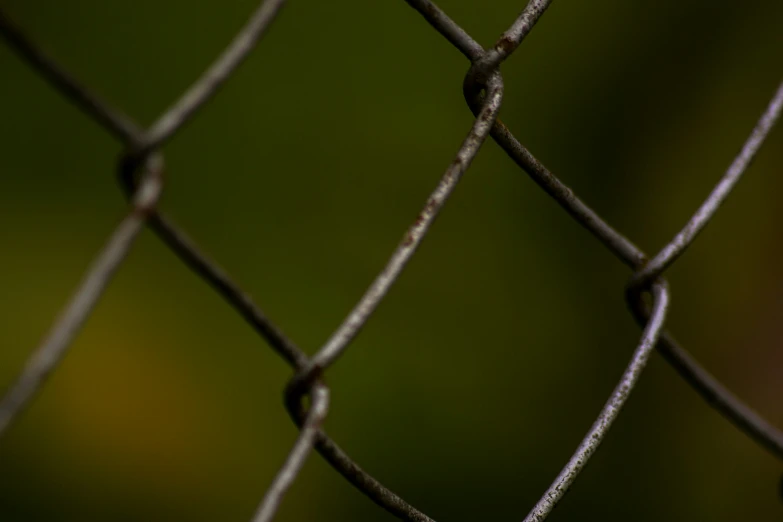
(140, 175)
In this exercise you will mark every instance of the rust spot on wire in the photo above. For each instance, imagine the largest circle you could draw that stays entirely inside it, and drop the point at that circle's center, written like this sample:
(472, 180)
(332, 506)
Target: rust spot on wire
(410, 235)
(505, 45)
(487, 116)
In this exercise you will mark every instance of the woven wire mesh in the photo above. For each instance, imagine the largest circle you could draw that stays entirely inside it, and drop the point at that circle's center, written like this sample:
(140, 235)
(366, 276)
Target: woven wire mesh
(140, 172)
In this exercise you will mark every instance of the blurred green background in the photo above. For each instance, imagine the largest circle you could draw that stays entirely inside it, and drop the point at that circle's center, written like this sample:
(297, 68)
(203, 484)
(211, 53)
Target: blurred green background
(478, 376)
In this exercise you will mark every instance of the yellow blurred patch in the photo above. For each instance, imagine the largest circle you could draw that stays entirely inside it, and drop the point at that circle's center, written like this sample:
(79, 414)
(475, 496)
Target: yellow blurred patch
(128, 406)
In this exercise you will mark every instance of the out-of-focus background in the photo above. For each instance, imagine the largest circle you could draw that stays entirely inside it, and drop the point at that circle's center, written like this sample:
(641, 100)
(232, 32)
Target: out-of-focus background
(477, 377)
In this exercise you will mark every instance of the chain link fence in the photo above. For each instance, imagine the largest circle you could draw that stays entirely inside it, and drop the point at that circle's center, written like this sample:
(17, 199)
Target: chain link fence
(306, 396)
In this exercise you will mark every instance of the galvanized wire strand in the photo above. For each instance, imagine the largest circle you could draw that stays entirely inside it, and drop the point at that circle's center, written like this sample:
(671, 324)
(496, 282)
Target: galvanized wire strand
(460, 39)
(485, 118)
(53, 348)
(209, 82)
(511, 39)
(140, 142)
(357, 318)
(296, 459)
(600, 428)
(675, 248)
(711, 390)
(617, 243)
(449, 29)
(213, 275)
(302, 381)
(118, 125)
(366, 483)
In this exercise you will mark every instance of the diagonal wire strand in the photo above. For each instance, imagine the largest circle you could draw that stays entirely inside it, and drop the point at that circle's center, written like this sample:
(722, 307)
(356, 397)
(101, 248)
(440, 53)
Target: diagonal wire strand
(213, 78)
(485, 118)
(675, 248)
(53, 348)
(303, 380)
(357, 318)
(213, 275)
(119, 125)
(713, 392)
(296, 459)
(513, 37)
(600, 428)
(448, 28)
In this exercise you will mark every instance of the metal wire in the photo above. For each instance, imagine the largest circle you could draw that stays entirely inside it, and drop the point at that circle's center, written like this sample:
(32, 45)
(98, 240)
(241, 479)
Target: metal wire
(703, 215)
(348, 330)
(209, 83)
(483, 89)
(53, 348)
(107, 116)
(304, 444)
(601, 426)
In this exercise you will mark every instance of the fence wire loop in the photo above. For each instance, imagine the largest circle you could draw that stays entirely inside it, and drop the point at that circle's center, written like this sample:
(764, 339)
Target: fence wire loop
(301, 385)
(140, 175)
